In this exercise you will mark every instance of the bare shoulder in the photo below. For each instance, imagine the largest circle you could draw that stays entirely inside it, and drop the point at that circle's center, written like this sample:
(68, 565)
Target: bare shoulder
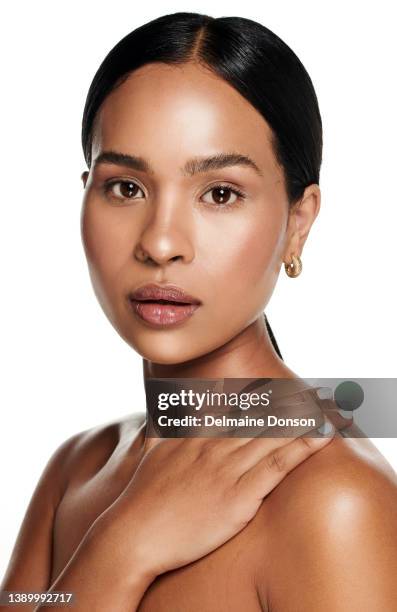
(30, 562)
(331, 533)
(345, 475)
(92, 447)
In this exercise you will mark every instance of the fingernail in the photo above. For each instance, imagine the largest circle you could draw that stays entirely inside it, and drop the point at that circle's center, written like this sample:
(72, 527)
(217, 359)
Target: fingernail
(325, 393)
(326, 428)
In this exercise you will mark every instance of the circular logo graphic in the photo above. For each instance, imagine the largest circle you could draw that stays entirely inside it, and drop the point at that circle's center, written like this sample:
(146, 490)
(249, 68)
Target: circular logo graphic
(349, 395)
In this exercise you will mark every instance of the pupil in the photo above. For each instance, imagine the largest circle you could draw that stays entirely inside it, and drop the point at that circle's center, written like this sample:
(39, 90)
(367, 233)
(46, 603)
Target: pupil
(128, 188)
(221, 191)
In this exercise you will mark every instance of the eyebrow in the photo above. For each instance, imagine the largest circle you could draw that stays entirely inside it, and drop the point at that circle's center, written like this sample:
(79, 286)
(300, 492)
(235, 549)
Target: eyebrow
(192, 166)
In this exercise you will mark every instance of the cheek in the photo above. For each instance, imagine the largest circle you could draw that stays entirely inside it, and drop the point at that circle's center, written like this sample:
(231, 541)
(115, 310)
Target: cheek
(246, 262)
(106, 239)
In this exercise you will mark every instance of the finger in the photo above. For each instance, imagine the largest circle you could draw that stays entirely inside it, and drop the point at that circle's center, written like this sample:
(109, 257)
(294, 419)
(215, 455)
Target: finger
(332, 411)
(288, 422)
(243, 453)
(247, 454)
(222, 447)
(245, 449)
(271, 469)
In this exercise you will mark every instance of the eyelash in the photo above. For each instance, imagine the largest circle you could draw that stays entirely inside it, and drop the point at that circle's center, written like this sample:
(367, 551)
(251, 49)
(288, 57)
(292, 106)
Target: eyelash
(240, 194)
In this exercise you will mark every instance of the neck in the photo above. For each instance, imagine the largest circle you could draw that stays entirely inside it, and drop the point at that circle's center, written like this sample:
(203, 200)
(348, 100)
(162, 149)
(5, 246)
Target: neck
(250, 354)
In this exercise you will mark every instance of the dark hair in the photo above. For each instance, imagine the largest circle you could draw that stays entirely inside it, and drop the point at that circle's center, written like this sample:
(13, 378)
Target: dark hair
(251, 58)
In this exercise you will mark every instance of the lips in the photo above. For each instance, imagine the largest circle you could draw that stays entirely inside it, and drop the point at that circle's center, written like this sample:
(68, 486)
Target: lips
(163, 305)
(166, 293)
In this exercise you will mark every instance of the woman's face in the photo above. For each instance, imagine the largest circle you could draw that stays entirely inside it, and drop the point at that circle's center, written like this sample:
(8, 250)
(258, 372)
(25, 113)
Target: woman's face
(223, 248)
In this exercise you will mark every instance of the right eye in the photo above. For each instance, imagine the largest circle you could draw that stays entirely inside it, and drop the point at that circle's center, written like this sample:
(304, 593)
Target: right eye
(124, 190)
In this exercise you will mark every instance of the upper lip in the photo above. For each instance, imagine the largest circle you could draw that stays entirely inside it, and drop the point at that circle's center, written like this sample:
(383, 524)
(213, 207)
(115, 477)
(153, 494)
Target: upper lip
(170, 293)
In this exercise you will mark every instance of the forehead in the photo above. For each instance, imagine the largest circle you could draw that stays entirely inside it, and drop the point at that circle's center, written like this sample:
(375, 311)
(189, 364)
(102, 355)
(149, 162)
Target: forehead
(168, 113)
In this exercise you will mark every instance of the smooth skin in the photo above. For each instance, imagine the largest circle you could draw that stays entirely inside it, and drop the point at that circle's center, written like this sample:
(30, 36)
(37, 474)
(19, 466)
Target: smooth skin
(163, 524)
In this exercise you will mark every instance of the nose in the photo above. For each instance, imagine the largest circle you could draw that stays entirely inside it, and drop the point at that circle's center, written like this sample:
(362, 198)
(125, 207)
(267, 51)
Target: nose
(165, 238)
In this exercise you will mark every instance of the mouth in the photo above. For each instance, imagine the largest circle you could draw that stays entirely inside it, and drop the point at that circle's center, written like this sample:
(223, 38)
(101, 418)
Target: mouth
(162, 306)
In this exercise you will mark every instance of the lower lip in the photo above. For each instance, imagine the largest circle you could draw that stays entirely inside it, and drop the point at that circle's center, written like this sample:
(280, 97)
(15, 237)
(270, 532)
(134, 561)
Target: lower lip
(163, 315)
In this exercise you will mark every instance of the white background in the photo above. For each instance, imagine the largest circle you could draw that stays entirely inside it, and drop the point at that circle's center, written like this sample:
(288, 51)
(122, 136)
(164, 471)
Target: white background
(64, 368)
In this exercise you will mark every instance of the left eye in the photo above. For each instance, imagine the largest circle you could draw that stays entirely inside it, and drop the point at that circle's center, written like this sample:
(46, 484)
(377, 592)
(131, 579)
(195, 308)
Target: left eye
(222, 195)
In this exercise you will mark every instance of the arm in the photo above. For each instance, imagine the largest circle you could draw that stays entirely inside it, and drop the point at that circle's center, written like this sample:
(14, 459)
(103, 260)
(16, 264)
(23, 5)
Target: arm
(30, 564)
(335, 548)
(101, 575)
(93, 563)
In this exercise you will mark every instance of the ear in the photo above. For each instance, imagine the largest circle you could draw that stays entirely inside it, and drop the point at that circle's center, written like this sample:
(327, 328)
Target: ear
(84, 177)
(301, 218)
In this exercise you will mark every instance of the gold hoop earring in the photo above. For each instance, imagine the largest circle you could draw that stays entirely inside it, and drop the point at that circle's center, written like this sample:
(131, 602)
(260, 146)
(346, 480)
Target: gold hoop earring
(294, 268)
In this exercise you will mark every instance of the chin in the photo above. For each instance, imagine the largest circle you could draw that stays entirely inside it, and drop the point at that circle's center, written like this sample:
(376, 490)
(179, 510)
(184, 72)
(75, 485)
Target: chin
(166, 358)
(163, 351)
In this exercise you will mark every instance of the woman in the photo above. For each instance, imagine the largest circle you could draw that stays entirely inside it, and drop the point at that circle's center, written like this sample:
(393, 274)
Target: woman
(203, 141)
